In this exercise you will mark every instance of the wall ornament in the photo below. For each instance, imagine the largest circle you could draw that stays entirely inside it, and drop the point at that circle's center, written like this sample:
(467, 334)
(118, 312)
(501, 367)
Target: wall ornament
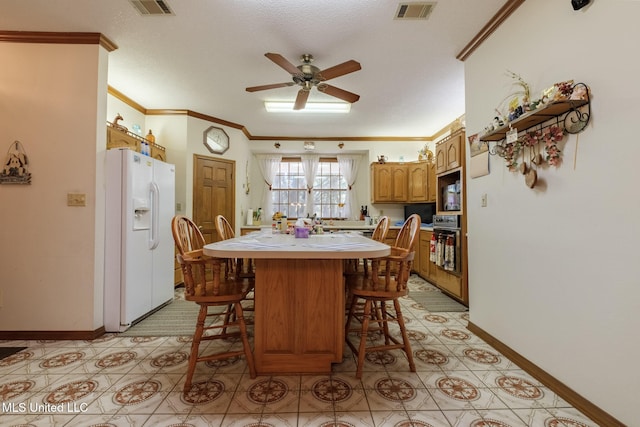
(15, 169)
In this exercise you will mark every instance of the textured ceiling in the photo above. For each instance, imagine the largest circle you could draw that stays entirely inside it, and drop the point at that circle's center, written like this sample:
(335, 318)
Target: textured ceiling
(203, 57)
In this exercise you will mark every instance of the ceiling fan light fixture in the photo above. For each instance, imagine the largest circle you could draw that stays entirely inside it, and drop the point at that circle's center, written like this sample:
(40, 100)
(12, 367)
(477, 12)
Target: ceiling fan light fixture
(310, 107)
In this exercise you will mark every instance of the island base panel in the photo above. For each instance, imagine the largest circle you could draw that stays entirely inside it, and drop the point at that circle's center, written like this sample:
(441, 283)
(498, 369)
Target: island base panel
(299, 315)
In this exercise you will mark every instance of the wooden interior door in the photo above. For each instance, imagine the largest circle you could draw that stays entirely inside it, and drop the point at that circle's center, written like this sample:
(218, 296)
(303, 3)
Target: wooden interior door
(213, 193)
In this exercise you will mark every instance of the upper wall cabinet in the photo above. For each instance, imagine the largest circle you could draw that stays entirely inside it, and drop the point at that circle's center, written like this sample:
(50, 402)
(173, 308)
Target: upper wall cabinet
(403, 182)
(389, 182)
(422, 182)
(449, 154)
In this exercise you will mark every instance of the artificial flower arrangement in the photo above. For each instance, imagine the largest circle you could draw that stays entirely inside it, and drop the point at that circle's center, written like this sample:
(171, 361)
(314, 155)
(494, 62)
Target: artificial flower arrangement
(549, 137)
(425, 154)
(520, 101)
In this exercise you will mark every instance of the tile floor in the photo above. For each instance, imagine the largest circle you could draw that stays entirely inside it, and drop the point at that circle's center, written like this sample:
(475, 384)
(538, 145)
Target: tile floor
(125, 381)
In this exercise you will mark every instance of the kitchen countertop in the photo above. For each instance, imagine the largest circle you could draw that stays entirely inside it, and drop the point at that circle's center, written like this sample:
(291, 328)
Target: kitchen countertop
(338, 225)
(265, 245)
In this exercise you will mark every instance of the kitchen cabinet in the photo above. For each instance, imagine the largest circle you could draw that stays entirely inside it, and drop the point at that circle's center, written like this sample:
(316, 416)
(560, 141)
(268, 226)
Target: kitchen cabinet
(433, 187)
(420, 182)
(446, 281)
(451, 174)
(413, 182)
(449, 153)
(390, 183)
(423, 262)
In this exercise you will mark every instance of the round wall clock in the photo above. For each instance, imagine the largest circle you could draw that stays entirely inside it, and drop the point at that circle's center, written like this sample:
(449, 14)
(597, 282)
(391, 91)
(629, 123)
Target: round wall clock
(216, 140)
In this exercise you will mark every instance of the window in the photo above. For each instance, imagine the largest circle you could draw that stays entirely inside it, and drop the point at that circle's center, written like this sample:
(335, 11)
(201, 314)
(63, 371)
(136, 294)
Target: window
(329, 190)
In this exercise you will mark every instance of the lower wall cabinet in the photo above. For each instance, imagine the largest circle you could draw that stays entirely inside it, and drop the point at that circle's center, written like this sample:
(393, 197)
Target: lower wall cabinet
(444, 280)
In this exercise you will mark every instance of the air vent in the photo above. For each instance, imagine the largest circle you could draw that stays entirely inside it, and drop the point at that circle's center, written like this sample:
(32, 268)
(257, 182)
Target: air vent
(152, 7)
(420, 10)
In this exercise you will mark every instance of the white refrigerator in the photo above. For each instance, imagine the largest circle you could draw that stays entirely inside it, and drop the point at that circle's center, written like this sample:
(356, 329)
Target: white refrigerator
(139, 247)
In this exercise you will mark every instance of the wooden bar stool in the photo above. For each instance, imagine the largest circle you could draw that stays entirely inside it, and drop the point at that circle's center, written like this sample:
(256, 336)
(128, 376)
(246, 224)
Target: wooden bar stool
(220, 291)
(386, 281)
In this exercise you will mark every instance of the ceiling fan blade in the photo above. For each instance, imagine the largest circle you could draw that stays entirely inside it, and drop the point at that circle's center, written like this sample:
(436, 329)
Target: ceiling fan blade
(301, 99)
(271, 86)
(338, 93)
(281, 61)
(339, 70)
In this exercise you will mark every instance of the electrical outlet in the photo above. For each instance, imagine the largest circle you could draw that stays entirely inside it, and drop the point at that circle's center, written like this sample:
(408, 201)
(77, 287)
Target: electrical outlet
(76, 199)
(483, 200)
(179, 207)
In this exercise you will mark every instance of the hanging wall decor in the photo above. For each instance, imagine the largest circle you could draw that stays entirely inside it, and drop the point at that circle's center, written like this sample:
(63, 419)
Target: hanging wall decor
(531, 134)
(15, 169)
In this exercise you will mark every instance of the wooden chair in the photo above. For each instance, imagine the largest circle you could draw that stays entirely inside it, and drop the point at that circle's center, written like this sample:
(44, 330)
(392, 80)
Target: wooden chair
(379, 235)
(357, 266)
(220, 291)
(234, 266)
(386, 281)
(224, 229)
(186, 234)
(189, 238)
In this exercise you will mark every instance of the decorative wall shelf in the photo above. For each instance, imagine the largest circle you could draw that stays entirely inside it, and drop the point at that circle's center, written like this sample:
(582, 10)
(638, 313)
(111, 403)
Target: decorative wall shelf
(120, 137)
(540, 131)
(568, 112)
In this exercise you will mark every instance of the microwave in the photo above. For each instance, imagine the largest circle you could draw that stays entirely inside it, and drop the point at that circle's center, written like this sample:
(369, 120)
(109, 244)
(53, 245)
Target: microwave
(451, 197)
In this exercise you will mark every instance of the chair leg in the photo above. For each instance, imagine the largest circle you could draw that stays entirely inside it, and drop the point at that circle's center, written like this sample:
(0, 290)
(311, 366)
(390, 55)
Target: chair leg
(195, 346)
(405, 337)
(381, 317)
(352, 309)
(363, 337)
(245, 340)
(230, 316)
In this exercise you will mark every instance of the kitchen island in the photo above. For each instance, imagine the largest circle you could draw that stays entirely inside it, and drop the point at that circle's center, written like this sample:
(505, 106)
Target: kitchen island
(299, 296)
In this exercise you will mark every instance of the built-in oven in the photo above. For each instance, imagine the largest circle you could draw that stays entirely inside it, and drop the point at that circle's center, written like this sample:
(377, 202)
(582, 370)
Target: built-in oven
(445, 247)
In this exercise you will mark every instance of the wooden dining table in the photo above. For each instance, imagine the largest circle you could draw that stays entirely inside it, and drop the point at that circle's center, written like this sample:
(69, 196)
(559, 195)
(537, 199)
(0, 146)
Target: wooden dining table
(299, 296)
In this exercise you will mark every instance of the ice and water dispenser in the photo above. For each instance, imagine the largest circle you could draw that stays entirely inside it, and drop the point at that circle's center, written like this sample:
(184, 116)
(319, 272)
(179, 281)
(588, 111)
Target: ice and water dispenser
(141, 214)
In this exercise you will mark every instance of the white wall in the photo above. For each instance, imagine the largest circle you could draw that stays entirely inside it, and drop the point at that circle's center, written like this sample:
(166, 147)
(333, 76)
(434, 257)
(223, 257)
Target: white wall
(51, 254)
(554, 271)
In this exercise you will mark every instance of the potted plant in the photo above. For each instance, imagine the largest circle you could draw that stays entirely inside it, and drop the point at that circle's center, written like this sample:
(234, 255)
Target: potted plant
(257, 216)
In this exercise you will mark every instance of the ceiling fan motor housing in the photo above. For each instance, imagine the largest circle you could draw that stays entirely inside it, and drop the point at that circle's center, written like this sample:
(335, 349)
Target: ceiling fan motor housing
(308, 76)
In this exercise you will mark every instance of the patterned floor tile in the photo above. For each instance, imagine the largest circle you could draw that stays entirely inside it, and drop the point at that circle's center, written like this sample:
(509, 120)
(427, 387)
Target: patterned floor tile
(460, 381)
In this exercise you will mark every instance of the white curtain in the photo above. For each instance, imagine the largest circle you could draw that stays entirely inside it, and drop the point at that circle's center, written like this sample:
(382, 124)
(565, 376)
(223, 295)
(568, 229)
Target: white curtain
(349, 170)
(310, 164)
(268, 164)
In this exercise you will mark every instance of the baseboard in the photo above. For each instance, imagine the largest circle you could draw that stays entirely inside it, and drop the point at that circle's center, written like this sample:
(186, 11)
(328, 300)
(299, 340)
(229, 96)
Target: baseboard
(52, 335)
(577, 401)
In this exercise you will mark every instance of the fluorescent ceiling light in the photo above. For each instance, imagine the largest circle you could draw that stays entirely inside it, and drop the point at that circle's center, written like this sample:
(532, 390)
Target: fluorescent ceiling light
(311, 107)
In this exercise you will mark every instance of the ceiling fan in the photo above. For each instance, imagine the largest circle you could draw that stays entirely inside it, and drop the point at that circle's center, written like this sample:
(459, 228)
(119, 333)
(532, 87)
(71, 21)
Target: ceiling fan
(307, 76)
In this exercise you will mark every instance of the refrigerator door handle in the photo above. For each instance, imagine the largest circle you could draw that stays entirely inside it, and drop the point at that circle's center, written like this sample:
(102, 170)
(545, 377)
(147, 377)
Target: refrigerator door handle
(155, 216)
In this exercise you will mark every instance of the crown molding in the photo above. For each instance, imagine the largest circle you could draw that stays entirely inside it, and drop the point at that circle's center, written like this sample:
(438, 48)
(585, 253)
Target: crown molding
(505, 11)
(57, 38)
(177, 112)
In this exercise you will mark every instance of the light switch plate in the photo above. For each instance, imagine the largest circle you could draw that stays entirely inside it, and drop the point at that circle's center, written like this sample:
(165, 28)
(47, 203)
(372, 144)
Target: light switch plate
(76, 199)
